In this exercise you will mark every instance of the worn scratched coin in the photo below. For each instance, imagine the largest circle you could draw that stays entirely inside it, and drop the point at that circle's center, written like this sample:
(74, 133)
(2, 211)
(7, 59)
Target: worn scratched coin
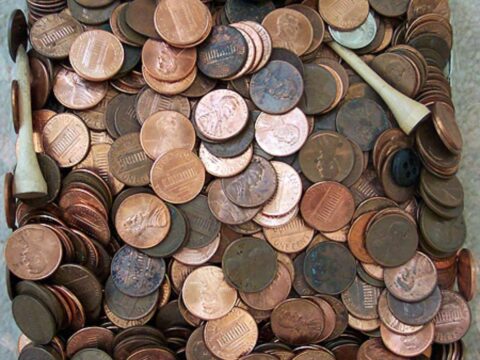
(329, 268)
(416, 313)
(344, 14)
(413, 281)
(225, 167)
(142, 220)
(453, 320)
(359, 37)
(249, 264)
(321, 89)
(382, 240)
(53, 35)
(223, 54)
(361, 299)
(89, 337)
(290, 238)
(149, 102)
(391, 321)
(196, 347)
(254, 186)
(277, 88)
(392, 8)
(204, 227)
(136, 274)
(128, 162)
(281, 135)
(374, 349)
(242, 10)
(408, 345)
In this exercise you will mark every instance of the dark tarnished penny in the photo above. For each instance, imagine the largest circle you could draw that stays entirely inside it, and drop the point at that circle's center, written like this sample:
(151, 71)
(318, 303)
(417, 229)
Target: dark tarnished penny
(223, 54)
(361, 299)
(392, 240)
(128, 162)
(128, 307)
(417, 313)
(412, 281)
(392, 8)
(327, 156)
(277, 88)
(287, 56)
(300, 285)
(139, 17)
(362, 120)
(83, 284)
(297, 321)
(389, 319)
(254, 186)
(467, 274)
(91, 16)
(196, 348)
(87, 354)
(329, 268)
(249, 264)
(53, 177)
(447, 192)
(320, 89)
(453, 320)
(242, 10)
(136, 274)
(90, 337)
(17, 33)
(341, 319)
(204, 227)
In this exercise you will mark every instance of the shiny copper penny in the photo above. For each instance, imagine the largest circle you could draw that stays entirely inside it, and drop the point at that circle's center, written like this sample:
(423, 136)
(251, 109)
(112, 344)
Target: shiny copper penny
(408, 345)
(54, 34)
(76, 93)
(344, 14)
(221, 114)
(33, 252)
(231, 336)
(177, 176)
(226, 211)
(142, 220)
(66, 139)
(170, 14)
(169, 88)
(297, 321)
(164, 131)
(443, 116)
(266, 42)
(89, 220)
(273, 294)
(96, 55)
(167, 63)
(327, 206)
(289, 29)
(225, 167)
(453, 320)
(363, 325)
(207, 295)
(198, 256)
(149, 102)
(281, 135)
(356, 237)
(467, 274)
(290, 238)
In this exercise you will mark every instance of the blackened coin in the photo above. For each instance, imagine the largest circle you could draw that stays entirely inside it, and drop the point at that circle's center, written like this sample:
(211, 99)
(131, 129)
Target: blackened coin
(38, 352)
(246, 10)
(136, 274)
(329, 268)
(288, 56)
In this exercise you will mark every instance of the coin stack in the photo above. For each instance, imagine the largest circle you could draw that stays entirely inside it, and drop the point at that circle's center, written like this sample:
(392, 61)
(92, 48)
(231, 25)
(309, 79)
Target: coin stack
(222, 186)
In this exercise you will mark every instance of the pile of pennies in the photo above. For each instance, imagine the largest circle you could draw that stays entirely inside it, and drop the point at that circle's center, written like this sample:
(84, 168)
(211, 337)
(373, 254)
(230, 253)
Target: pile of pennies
(222, 186)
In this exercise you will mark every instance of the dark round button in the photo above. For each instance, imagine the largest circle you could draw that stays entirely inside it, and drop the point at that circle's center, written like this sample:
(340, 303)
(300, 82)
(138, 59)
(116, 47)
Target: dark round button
(406, 168)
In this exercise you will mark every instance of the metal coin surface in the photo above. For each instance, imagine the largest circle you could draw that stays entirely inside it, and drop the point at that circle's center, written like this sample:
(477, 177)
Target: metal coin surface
(242, 10)
(95, 118)
(200, 256)
(389, 319)
(467, 274)
(277, 88)
(282, 54)
(327, 206)
(205, 283)
(254, 186)
(361, 299)
(321, 89)
(196, 347)
(90, 337)
(390, 8)
(447, 192)
(374, 349)
(142, 220)
(453, 320)
(136, 274)
(225, 167)
(87, 354)
(447, 127)
(53, 177)
(149, 102)
(89, 15)
(249, 264)
(17, 33)
(290, 238)
(408, 345)
(413, 281)
(359, 37)
(139, 17)
(300, 284)
(223, 54)
(281, 135)
(31, 259)
(335, 13)
(329, 268)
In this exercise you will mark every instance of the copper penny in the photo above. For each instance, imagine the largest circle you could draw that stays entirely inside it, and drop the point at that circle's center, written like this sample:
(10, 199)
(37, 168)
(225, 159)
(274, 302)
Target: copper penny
(169, 88)
(390, 8)
(154, 353)
(207, 295)
(95, 118)
(290, 238)
(297, 321)
(226, 211)
(408, 345)
(179, 272)
(268, 221)
(66, 139)
(149, 102)
(231, 336)
(197, 256)
(254, 186)
(170, 14)
(96, 55)
(467, 274)
(289, 29)
(266, 42)
(257, 44)
(453, 320)
(447, 128)
(221, 114)
(417, 8)
(390, 321)
(281, 135)
(356, 237)
(413, 281)
(327, 206)
(374, 349)
(177, 176)
(361, 300)
(273, 294)
(327, 156)
(76, 93)
(139, 17)
(86, 218)
(344, 14)
(164, 131)
(225, 167)
(54, 34)
(167, 63)
(9, 205)
(33, 252)
(363, 325)
(90, 337)
(317, 23)
(40, 82)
